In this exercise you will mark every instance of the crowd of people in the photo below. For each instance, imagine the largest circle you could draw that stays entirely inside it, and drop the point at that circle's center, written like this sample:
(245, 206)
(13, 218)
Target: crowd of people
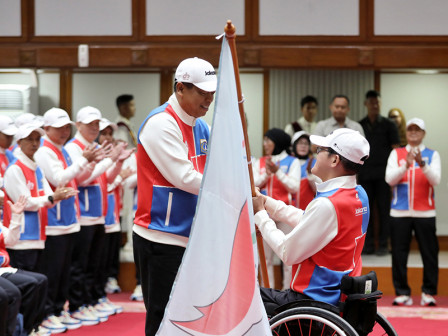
(399, 179)
(61, 234)
(329, 191)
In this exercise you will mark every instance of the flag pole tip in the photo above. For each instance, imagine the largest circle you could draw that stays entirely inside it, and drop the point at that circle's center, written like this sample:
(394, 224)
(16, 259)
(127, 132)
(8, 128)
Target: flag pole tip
(229, 29)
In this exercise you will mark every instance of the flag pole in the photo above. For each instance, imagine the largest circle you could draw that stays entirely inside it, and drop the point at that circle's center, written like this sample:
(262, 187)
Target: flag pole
(231, 36)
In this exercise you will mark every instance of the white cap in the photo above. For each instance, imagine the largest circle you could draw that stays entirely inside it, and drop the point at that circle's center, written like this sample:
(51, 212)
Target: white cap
(27, 129)
(7, 125)
(56, 117)
(297, 135)
(88, 114)
(198, 72)
(26, 118)
(346, 142)
(104, 123)
(416, 121)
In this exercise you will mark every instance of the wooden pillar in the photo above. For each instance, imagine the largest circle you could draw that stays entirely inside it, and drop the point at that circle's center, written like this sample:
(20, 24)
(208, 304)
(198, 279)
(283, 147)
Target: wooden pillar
(65, 91)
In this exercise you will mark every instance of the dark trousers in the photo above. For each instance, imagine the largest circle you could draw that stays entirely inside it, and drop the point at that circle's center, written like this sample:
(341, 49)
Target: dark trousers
(378, 191)
(10, 300)
(33, 288)
(108, 260)
(27, 260)
(112, 244)
(158, 265)
(401, 235)
(274, 298)
(55, 263)
(89, 242)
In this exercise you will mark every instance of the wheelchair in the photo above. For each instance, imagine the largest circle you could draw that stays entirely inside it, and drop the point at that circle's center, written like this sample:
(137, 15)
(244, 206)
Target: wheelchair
(356, 314)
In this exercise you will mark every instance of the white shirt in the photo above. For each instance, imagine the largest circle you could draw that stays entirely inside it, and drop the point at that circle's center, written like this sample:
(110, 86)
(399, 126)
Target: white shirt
(291, 180)
(90, 173)
(53, 168)
(15, 186)
(122, 133)
(161, 138)
(11, 236)
(395, 172)
(313, 228)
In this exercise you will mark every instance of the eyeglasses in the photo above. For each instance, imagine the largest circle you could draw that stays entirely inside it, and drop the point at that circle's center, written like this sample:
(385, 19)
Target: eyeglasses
(322, 149)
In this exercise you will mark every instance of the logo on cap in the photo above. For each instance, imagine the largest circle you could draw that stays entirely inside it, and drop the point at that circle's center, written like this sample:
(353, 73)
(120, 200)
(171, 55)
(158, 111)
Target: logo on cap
(210, 73)
(185, 76)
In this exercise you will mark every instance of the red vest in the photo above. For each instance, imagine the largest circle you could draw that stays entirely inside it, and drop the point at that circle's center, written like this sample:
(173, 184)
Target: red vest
(36, 189)
(100, 180)
(72, 183)
(274, 188)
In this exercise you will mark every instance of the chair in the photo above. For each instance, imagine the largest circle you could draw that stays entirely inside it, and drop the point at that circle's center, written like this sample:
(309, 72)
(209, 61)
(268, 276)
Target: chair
(356, 314)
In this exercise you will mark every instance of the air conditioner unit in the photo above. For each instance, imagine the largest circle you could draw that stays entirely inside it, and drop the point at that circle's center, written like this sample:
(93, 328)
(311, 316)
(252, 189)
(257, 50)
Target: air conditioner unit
(16, 99)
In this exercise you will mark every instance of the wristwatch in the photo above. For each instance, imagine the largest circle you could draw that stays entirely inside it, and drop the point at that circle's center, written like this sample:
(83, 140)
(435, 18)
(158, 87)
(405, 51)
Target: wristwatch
(51, 199)
(422, 164)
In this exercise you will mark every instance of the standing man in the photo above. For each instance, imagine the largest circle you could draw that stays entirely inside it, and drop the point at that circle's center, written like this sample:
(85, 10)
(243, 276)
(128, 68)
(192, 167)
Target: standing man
(339, 107)
(382, 135)
(89, 241)
(172, 148)
(125, 132)
(327, 238)
(413, 171)
(126, 109)
(63, 223)
(308, 106)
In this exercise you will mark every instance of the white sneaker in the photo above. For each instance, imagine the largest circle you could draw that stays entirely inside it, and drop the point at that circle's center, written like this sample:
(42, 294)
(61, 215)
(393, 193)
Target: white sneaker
(70, 322)
(112, 286)
(428, 300)
(402, 300)
(85, 316)
(137, 295)
(41, 331)
(118, 309)
(103, 307)
(53, 324)
(103, 317)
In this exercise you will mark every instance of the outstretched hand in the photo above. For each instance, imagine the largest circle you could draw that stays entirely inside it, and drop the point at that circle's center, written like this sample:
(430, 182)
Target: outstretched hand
(19, 206)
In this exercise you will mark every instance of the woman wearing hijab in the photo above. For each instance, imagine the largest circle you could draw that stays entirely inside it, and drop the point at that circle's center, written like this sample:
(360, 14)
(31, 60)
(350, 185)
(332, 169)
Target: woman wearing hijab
(276, 174)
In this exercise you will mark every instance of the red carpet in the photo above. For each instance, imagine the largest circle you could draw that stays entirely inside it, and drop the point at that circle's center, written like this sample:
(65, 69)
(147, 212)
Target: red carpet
(408, 321)
(124, 324)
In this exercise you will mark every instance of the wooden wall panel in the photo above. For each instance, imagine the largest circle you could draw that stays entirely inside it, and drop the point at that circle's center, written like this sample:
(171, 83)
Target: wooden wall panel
(9, 57)
(365, 51)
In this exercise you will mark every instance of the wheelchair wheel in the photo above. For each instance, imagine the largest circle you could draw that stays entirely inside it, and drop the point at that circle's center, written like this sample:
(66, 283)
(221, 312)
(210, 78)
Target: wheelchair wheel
(310, 321)
(383, 326)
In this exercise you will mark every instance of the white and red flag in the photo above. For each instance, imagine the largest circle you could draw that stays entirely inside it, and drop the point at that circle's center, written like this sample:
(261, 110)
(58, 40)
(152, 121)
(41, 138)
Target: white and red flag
(216, 290)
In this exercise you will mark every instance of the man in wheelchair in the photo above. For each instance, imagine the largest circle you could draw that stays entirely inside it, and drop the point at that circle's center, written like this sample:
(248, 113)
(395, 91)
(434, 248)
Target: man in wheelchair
(328, 236)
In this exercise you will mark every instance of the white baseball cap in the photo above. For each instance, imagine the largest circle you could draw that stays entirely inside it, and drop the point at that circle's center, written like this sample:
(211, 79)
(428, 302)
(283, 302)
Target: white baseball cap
(27, 129)
(416, 121)
(298, 135)
(198, 72)
(56, 117)
(88, 114)
(7, 125)
(348, 143)
(105, 123)
(26, 118)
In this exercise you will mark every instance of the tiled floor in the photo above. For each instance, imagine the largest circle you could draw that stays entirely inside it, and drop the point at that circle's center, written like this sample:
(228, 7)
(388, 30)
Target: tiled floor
(414, 260)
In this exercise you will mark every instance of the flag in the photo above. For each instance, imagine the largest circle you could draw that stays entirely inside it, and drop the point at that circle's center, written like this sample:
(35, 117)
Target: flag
(216, 290)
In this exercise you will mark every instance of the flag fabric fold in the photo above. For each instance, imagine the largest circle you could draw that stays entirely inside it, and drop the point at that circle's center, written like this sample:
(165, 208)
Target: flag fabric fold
(216, 290)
